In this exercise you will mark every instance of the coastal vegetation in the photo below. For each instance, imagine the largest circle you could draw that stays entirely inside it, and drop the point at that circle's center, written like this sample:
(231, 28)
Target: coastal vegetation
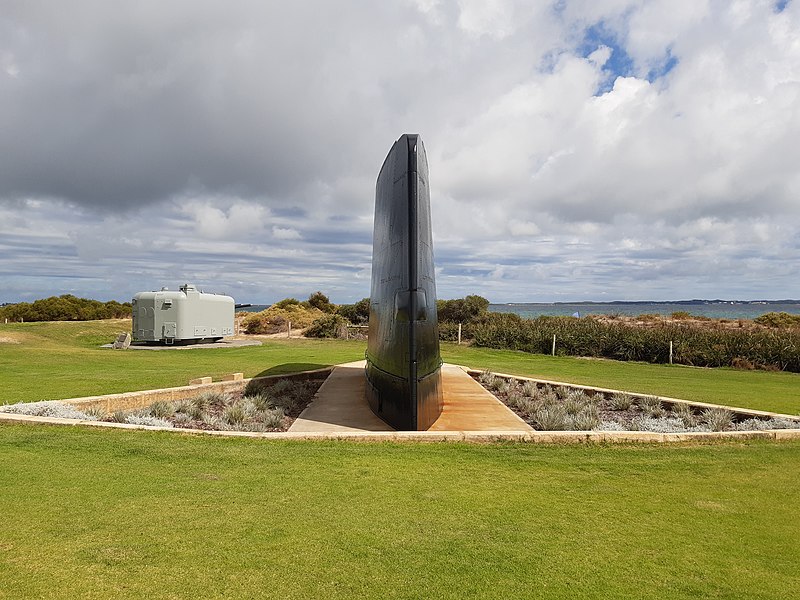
(704, 344)
(64, 308)
(289, 312)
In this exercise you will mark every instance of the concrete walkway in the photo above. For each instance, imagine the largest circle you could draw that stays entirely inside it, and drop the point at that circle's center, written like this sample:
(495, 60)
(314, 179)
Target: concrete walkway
(341, 405)
(225, 343)
(468, 406)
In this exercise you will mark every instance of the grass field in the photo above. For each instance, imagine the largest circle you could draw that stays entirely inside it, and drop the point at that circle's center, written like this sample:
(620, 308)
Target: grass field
(102, 514)
(62, 360)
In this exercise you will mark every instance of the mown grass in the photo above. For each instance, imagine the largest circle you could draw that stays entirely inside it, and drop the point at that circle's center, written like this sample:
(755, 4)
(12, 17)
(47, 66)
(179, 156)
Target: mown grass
(100, 514)
(62, 360)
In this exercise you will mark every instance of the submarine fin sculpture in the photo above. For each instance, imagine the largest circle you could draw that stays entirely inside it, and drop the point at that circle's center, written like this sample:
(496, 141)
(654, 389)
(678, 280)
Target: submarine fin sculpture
(403, 359)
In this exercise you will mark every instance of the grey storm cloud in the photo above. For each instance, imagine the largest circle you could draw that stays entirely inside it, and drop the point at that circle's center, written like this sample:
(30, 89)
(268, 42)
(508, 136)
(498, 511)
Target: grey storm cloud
(579, 149)
(118, 103)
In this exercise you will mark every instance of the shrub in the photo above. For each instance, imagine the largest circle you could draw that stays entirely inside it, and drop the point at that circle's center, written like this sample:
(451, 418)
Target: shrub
(276, 317)
(119, 416)
(717, 419)
(47, 408)
(778, 319)
(582, 421)
(282, 387)
(766, 424)
(235, 414)
(549, 418)
(610, 426)
(577, 402)
(503, 386)
(529, 388)
(218, 424)
(328, 326)
(320, 301)
(650, 405)
(709, 345)
(261, 402)
(287, 302)
(184, 406)
(147, 420)
(662, 425)
(96, 413)
(161, 409)
(357, 314)
(685, 413)
(213, 399)
(527, 406)
(514, 398)
(621, 401)
(182, 418)
(65, 308)
(487, 378)
(462, 310)
(273, 419)
(742, 363)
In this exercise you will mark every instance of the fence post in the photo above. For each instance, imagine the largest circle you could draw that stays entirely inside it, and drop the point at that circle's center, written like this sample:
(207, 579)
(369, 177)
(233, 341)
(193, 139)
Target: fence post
(288, 329)
(459, 334)
(554, 344)
(670, 352)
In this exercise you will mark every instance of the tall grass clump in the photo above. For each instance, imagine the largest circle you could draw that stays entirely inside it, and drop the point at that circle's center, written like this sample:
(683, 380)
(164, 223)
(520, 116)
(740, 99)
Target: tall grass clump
(161, 409)
(651, 406)
(685, 413)
(551, 417)
(621, 401)
(717, 419)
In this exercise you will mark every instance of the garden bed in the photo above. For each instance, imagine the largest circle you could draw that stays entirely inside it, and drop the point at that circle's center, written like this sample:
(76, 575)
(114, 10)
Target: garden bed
(260, 405)
(559, 407)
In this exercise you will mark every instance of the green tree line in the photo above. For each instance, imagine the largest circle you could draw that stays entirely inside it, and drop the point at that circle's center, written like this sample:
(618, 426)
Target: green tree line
(65, 308)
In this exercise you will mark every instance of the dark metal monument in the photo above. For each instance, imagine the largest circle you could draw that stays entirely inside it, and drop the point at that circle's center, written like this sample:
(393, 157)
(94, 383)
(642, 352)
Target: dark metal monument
(403, 359)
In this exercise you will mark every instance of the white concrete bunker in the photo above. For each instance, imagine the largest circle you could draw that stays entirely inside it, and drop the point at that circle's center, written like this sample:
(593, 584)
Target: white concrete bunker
(187, 315)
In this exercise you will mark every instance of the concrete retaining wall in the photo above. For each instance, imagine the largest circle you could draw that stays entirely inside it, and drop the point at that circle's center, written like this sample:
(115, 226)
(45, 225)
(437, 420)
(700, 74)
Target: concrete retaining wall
(134, 400)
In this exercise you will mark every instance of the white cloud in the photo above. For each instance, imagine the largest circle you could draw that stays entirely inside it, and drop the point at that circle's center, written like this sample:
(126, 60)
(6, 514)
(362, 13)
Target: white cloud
(233, 219)
(285, 233)
(195, 142)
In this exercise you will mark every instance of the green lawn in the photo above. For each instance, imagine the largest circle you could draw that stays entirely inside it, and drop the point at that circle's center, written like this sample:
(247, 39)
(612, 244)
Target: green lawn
(61, 360)
(120, 514)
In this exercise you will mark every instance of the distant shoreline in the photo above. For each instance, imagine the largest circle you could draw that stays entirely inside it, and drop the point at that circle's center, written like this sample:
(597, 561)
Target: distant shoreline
(640, 302)
(714, 309)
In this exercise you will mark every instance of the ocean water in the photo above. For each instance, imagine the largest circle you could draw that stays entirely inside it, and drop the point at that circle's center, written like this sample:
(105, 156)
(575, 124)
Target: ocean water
(715, 310)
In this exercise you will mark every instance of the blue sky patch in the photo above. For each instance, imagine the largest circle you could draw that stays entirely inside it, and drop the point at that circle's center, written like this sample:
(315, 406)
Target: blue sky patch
(664, 67)
(620, 64)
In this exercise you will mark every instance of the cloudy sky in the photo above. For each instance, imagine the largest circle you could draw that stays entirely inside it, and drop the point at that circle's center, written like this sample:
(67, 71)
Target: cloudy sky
(578, 149)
